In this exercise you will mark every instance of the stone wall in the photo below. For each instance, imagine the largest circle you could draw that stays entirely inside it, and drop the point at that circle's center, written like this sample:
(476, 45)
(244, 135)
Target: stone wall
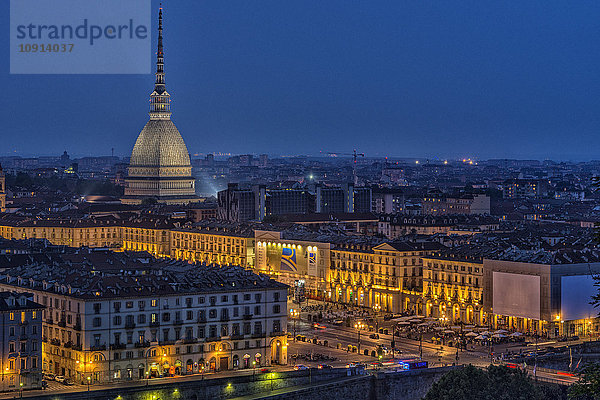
(208, 389)
(293, 385)
(406, 385)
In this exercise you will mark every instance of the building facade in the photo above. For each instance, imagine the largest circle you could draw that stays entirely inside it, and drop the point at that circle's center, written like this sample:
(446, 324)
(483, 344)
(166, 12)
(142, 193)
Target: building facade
(2, 190)
(453, 288)
(134, 327)
(22, 341)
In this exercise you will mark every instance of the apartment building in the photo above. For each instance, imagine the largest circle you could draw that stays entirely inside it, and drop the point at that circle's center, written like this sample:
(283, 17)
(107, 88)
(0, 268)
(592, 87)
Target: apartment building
(102, 325)
(21, 362)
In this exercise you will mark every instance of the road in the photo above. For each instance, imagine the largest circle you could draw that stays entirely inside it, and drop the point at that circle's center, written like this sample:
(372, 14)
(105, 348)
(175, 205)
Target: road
(436, 355)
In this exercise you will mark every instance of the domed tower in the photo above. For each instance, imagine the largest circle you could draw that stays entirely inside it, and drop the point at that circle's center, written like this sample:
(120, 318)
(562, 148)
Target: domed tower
(160, 167)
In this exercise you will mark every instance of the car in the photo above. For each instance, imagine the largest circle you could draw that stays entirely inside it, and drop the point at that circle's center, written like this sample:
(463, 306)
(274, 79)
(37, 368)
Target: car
(300, 367)
(59, 378)
(317, 326)
(324, 366)
(68, 382)
(264, 370)
(44, 385)
(338, 322)
(374, 336)
(49, 377)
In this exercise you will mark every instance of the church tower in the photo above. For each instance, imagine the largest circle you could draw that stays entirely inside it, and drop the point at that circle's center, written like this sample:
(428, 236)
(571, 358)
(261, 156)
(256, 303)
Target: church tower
(160, 167)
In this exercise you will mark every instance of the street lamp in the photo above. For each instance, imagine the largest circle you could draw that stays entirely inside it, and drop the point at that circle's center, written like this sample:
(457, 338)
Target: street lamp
(359, 326)
(295, 314)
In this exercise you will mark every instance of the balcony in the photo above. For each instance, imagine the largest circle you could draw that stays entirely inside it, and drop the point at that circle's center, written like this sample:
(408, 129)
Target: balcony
(76, 347)
(62, 323)
(24, 322)
(213, 339)
(247, 316)
(55, 342)
(142, 344)
(166, 342)
(99, 347)
(237, 336)
(118, 346)
(68, 345)
(190, 341)
(259, 335)
(77, 326)
(154, 323)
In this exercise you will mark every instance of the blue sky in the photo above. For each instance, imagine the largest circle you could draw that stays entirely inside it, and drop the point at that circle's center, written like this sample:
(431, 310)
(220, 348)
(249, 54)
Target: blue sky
(481, 79)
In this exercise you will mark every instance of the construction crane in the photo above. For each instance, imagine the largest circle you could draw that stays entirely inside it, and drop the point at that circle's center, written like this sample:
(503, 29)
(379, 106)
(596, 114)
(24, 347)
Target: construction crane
(354, 155)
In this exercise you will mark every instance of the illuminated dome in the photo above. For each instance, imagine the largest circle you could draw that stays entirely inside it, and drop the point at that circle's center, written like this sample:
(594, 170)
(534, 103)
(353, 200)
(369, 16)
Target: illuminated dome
(159, 168)
(160, 145)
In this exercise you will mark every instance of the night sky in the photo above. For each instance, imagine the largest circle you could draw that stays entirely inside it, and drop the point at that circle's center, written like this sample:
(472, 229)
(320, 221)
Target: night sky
(483, 79)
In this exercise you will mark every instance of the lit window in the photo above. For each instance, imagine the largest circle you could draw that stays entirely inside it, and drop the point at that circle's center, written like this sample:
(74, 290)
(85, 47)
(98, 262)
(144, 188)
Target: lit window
(12, 316)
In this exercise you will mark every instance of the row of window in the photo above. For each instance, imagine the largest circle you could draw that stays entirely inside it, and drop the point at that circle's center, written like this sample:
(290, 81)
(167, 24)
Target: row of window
(213, 331)
(33, 346)
(22, 362)
(130, 320)
(189, 301)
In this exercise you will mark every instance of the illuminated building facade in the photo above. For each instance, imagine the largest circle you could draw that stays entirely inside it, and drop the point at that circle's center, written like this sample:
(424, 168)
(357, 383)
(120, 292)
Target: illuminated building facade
(214, 245)
(453, 288)
(2, 190)
(387, 277)
(21, 361)
(391, 277)
(136, 326)
(550, 297)
(293, 261)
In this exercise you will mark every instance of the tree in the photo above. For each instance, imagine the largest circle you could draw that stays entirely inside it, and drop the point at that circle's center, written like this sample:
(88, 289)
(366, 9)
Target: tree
(588, 387)
(493, 383)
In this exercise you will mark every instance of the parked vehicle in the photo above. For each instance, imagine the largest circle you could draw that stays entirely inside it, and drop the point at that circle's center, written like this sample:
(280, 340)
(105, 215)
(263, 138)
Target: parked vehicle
(49, 377)
(68, 382)
(264, 370)
(374, 336)
(300, 367)
(324, 366)
(59, 378)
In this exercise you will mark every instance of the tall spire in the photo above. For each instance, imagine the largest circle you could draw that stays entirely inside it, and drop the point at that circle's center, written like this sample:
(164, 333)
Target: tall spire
(160, 107)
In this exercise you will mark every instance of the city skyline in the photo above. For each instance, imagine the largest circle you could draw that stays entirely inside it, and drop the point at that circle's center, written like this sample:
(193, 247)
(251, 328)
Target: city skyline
(426, 81)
